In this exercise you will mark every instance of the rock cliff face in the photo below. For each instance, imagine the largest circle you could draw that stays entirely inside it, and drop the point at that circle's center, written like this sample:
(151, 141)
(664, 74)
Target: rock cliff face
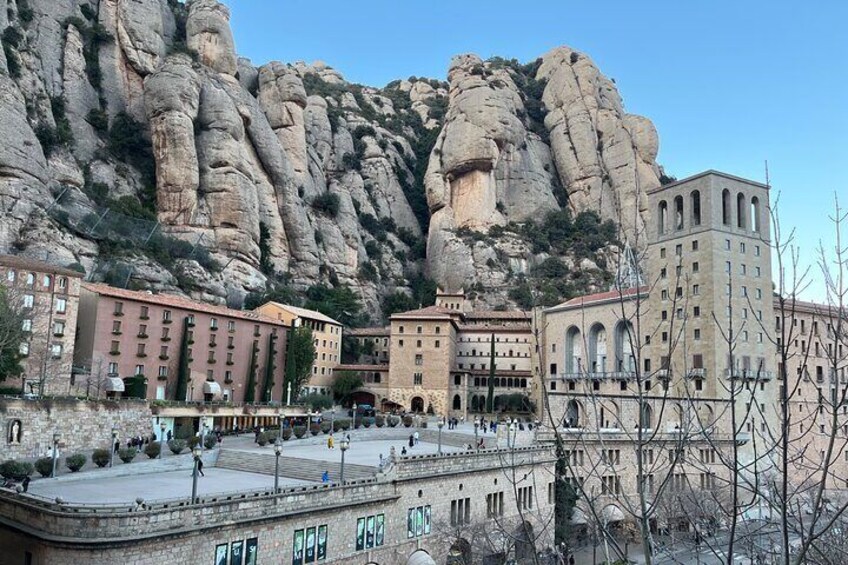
(137, 144)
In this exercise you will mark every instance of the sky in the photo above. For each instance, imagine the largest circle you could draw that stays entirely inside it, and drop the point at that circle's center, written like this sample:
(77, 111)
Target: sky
(730, 85)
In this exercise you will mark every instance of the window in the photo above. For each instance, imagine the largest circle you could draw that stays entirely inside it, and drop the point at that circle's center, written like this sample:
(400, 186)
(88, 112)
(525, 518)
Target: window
(29, 300)
(10, 276)
(418, 330)
(26, 325)
(213, 324)
(759, 294)
(58, 328)
(438, 344)
(696, 267)
(525, 498)
(211, 357)
(113, 368)
(438, 329)
(63, 283)
(45, 281)
(61, 305)
(663, 273)
(370, 532)
(610, 485)
(144, 312)
(418, 343)
(115, 349)
(418, 379)
(119, 309)
(165, 332)
(727, 267)
(116, 327)
(743, 269)
(727, 244)
(231, 326)
(460, 511)
(142, 330)
(400, 329)
(419, 359)
(757, 250)
(741, 247)
(400, 343)
(697, 333)
(139, 370)
(140, 350)
(30, 279)
(166, 316)
(495, 504)
(662, 252)
(695, 245)
(56, 350)
(163, 352)
(418, 521)
(24, 348)
(696, 290)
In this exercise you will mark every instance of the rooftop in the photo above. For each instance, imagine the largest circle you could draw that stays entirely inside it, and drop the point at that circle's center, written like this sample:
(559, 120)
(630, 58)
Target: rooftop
(178, 302)
(498, 315)
(600, 298)
(19, 262)
(369, 332)
(704, 174)
(428, 312)
(304, 313)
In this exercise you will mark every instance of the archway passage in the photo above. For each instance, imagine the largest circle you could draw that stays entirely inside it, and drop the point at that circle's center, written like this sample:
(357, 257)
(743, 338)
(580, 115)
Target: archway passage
(417, 404)
(362, 397)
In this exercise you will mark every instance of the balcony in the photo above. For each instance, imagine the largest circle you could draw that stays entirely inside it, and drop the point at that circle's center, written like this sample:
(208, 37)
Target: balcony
(748, 374)
(59, 333)
(142, 336)
(698, 373)
(164, 357)
(613, 375)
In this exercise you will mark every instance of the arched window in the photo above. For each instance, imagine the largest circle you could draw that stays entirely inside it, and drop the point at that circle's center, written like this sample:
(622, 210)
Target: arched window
(678, 212)
(662, 217)
(573, 349)
(646, 417)
(45, 281)
(755, 214)
(624, 349)
(740, 211)
(598, 349)
(572, 415)
(30, 280)
(695, 204)
(457, 402)
(725, 207)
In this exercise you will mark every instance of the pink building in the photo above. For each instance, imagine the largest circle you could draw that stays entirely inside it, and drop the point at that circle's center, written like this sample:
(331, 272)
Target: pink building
(135, 343)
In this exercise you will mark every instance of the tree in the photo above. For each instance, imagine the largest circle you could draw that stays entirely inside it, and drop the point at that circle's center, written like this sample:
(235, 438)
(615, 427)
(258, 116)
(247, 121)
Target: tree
(270, 367)
(345, 384)
(250, 389)
(299, 358)
(181, 390)
(490, 397)
(11, 335)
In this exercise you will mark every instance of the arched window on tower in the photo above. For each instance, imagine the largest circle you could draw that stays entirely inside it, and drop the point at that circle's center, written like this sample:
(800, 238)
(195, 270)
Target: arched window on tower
(755, 214)
(662, 217)
(740, 211)
(725, 207)
(678, 212)
(695, 198)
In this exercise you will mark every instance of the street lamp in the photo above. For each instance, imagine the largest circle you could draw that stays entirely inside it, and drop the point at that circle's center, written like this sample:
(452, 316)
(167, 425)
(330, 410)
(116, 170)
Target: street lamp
(333, 420)
(281, 418)
(440, 425)
(162, 427)
(536, 425)
(354, 415)
(278, 450)
(343, 445)
(511, 431)
(112, 446)
(476, 427)
(197, 452)
(56, 437)
(288, 394)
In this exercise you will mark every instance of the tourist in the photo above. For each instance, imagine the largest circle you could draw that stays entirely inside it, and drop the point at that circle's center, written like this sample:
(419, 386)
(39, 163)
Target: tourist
(325, 476)
(169, 435)
(330, 441)
(403, 450)
(199, 465)
(411, 440)
(415, 436)
(25, 483)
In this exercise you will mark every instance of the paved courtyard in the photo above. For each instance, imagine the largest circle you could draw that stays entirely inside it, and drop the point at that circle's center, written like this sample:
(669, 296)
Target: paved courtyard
(93, 489)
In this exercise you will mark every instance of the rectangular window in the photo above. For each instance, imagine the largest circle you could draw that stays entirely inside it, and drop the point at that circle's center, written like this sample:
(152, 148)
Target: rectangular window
(61, 305)
(741, 247)
(213, 324)
(231, 326)
(113, 368)
(140, 350)
(662, 252)
(58, 328)
(697, 333)
(525, 498)
(418, 521)
(727, 244)
(495, 504)
(418, 379)
(695, 245)
(56, 350)
(438, 344)
(143, 315)
(678, 250)
(163, 352)
(696, 267)
(142, 330)
(696, 289)
(727, 267)
(370, 532)
(116, 348)
(116, 327)
(119, 309)
(419, 359)
(166, 316)
(139, 370)
(163, 371)
(460, 511)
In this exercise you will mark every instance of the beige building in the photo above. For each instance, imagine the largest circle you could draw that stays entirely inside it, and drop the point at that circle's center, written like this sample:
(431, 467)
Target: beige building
(49, 296)
(327, 334)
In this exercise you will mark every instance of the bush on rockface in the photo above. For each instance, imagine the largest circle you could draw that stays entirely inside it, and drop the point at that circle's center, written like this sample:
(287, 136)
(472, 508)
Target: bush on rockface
(17, 470)
(75, 462)
(100, 457)
(44, 466)
(153, 449)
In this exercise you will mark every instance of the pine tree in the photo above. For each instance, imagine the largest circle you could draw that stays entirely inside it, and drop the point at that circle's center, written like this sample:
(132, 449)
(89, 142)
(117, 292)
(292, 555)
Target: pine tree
(490, 399)
(270, 367)
(249, 390)
(183, 369)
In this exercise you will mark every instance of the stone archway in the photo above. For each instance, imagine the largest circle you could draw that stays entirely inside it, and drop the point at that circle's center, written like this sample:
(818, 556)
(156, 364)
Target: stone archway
(457, 402)
(416, 404)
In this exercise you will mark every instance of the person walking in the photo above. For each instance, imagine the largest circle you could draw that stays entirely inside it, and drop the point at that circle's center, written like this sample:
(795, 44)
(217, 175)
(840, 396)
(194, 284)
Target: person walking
(199, 466)
(411, 440)
(415, 436)
(325, 477)
(25, 483)
(330, 442)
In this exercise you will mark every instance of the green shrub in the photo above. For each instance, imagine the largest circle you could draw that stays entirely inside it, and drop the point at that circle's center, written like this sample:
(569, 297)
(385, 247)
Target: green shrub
(326, 427)
(368, 421)
(337, 425)
(317, 401)
(327, 203)
(314, 428)
(88, 12)
(210, 441)
(299, 431)
(345, 424)
(127, 454)
(287, 434)
(393, 421)
(16, 470)
(44, 466)
(153, 449)
(98, 119)
(75, 462)
(351, 162)
(407, 421)
(262, 439)
(101, 457)
(177, 446)
(47, 137)
(380, 420)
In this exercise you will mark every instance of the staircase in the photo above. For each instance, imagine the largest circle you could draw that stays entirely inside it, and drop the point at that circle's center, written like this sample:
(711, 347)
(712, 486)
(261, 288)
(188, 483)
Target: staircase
(291, 467)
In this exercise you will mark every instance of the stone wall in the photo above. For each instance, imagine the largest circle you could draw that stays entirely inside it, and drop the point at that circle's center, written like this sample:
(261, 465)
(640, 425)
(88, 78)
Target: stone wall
(83, 424)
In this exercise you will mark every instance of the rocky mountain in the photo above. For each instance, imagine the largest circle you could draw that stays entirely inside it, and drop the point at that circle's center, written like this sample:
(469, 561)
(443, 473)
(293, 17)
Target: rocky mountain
(137, 145)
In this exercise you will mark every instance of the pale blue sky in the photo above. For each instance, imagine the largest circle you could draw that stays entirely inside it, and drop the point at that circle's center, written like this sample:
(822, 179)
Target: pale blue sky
(728, 84)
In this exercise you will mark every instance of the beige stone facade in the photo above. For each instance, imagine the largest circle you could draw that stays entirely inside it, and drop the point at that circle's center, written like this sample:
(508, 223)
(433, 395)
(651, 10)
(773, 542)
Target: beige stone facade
(49, 297)
(327, 334)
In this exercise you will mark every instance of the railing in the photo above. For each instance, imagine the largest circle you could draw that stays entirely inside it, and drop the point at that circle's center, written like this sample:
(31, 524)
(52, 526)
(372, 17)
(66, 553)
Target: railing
(748, 374)
(698, 373)
(595, 376)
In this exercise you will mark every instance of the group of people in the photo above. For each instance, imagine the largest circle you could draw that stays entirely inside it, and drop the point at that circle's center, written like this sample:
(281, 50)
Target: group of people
(454, 422)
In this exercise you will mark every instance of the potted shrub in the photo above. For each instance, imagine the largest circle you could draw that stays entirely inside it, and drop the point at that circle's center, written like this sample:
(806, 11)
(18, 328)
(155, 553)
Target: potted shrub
(423, 424)
(287, 434)
(100, 457)
(407, 421)
(17, 470)
(368, 421)
(262, 439)
(314, 428)
(299, 431)
(393, 421)
(337, 425)
(380, 420)
(325, 427)
(345, 424)
(75, 462)
(127, 454)
(177, 446)
(153, 449)
(210, 441)
(44, 466)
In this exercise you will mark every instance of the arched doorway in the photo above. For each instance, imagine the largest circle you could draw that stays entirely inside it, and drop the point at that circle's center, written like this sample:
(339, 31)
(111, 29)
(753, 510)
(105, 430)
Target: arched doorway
(417, 404)
(457, 402)
(361, 397)
(420, 557)
(572, 415)
(459, 553)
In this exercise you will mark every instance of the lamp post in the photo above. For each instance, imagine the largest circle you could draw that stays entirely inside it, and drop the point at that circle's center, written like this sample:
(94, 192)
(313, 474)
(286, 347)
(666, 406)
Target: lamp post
(162, 427)
(333, 420)
(511, 431)
(278, 450)
(288, 394)
(281, 418)
(354, 415)
(536, 425)
(476, 427)
(440, 425)
(343, 445)
(112, 447)
(56, 437)
(197, 452)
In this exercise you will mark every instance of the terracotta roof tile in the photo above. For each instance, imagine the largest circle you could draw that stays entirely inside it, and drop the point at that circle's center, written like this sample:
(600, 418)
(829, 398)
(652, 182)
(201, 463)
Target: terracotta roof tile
(588, 299)
(178, 302)
(369, 332)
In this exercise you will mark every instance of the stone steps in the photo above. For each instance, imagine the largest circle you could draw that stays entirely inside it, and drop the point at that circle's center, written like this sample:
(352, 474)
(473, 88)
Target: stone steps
(292, 467)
